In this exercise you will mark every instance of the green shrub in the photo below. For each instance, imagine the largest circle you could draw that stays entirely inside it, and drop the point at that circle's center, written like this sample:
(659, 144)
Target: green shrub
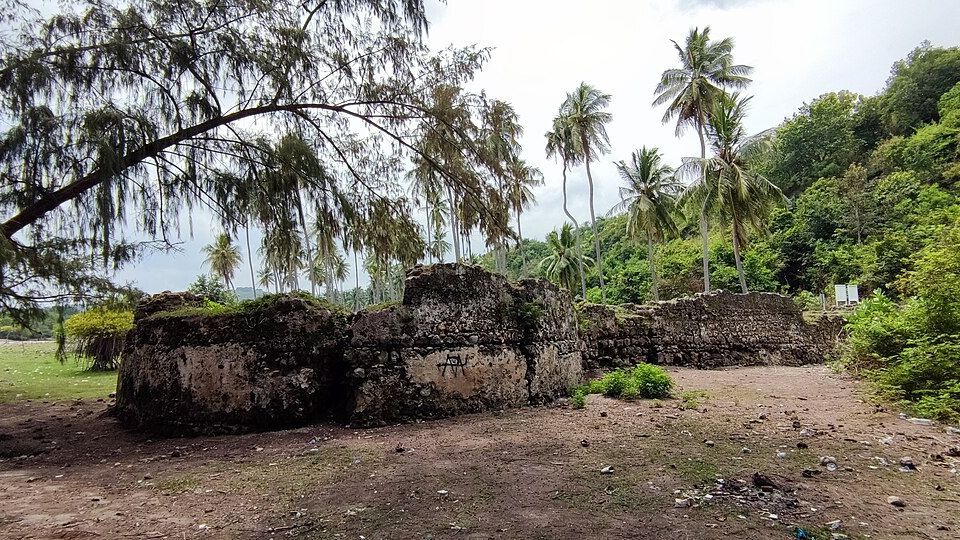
(911, 351)
(807, 301)
(579, 399)
(99, 335)
(653, 381)
(643, 381)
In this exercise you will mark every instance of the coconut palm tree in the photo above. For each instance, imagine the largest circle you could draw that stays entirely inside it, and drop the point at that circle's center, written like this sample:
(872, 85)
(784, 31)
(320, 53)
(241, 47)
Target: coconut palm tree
(564, 259)
(741, 196)
(265, 278)
(500, 141)
(649, 199)
(560, 144)
(522, 178)
(689, 91)
(438, 246)
(585, 117)
(339, 268)
(223, 257)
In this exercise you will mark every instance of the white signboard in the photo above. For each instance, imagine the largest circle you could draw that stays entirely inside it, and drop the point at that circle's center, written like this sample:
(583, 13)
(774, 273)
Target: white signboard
(840, 291)
(847, 294)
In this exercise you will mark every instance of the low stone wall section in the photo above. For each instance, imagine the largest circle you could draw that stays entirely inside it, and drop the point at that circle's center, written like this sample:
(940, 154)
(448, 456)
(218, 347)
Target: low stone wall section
(711, 330)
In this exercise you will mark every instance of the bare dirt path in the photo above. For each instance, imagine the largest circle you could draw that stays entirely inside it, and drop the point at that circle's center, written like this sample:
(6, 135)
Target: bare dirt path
(529, 473)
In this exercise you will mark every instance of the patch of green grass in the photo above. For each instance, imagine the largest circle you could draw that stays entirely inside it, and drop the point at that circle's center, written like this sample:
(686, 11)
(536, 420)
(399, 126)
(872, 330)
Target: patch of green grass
(690, 399)
(696, 470)
(30, 370)
(177, 484)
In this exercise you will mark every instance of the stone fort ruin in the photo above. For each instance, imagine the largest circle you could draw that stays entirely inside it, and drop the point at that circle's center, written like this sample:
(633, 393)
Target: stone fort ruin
(462, 340)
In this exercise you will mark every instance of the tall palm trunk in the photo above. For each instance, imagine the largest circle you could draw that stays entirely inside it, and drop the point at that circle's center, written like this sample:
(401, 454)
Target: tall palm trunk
(576, 234)
(736, 253)
(356, 273)
(253, 274)
(523, 254)
(704, 225)
(429, 240)
(654, 288)
(593, 225)
(306, 242)
(454, 225)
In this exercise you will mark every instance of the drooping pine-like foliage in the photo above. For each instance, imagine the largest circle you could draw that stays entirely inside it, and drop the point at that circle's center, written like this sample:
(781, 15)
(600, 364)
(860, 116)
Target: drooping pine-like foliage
(124, 116)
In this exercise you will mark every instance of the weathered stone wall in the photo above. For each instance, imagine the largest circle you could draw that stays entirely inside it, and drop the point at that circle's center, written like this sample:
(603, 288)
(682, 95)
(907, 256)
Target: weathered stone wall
(463, 340)
(706, 331)
(275, 364)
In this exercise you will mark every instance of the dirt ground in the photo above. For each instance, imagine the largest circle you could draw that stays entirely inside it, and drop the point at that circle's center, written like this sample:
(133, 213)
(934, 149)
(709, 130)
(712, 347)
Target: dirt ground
(680, 470)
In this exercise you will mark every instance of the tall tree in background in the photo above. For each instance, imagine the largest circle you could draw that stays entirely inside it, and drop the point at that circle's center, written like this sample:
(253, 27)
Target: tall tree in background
(690, 91)
(502, 132)
(522, 177)
(223, 258)
(121, 117)
(560, 145)
(584, 115)
(564, 260)
(649, 198)
(741, 195)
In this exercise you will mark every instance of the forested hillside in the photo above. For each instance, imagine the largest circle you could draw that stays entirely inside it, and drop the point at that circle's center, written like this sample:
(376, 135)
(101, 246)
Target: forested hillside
(871, 182)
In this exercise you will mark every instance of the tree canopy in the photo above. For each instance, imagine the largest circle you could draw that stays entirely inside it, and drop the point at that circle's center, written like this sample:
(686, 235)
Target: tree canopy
(123, 117)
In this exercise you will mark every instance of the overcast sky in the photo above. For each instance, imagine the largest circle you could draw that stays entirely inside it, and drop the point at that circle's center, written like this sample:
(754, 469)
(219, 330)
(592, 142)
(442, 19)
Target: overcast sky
(543, 48)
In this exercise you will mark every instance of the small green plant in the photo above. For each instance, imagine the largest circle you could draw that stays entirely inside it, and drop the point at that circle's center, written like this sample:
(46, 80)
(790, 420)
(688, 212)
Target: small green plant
(690, 399)
(528, 315)
(643, 381)
(579, 399)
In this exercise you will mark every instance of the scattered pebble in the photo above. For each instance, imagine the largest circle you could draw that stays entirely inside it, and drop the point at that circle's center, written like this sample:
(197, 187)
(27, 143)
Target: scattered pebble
(584, 443)
(907, 465)
(896, 501)
(607, 470)
(708, 442)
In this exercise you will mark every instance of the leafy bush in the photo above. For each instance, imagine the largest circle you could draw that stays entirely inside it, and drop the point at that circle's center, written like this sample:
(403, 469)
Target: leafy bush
(911, 352)
(212, 289)
(99, 335)
(807, 301)
(643, 381)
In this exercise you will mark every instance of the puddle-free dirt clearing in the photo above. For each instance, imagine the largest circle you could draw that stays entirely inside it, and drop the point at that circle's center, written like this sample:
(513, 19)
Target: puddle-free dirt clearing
(66, 472)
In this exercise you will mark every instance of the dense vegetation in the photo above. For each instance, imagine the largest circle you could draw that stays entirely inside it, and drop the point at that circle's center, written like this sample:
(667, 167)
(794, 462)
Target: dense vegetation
(873, 199)
(864, 201)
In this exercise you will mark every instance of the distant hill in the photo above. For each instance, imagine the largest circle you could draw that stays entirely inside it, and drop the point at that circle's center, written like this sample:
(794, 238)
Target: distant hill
(246, 293)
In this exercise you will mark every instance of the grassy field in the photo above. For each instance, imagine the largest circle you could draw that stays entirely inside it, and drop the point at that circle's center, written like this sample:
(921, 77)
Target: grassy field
(31, 371)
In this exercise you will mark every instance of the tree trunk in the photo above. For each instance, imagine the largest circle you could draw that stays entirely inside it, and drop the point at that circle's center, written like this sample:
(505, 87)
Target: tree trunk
(523, 255)
(306, 241)
(576, 235)
(356, 273)
(253, 274)
(736, 255)
(704, 225)
(454, 226)
(654, 289)
(429, 244)
(593, 225)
